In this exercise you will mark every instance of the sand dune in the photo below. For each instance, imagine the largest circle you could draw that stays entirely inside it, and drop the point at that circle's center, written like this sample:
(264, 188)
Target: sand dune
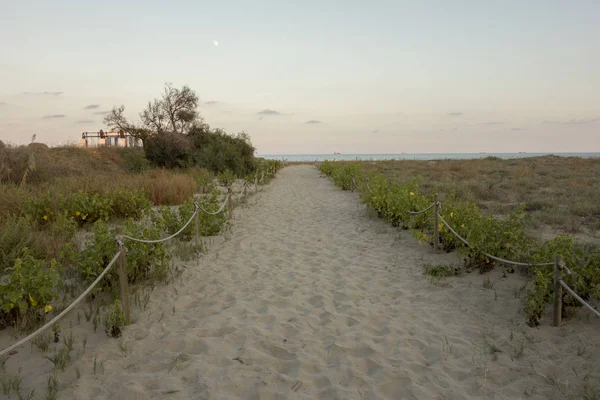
(310, 297)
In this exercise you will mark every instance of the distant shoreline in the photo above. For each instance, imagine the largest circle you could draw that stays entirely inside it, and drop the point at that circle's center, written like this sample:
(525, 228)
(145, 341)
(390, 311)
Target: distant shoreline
(417, 156)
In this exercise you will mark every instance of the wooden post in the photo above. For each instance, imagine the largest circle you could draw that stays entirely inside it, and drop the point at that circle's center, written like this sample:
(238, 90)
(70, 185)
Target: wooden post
(256, 182)
(557, 291)
(229, 203)
(436, 231)
(262, 177)
(123, 283)
(352, 184)
(197, 228)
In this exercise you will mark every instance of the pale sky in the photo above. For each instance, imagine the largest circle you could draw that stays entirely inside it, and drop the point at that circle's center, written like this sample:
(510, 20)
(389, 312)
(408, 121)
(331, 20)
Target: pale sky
(348, 76)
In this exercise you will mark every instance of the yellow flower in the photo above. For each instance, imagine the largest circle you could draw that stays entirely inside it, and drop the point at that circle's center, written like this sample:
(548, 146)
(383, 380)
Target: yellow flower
(78, 213)
(45, 218)
(48, 308)
(452, 214)
(32, 300)
(462, 225)
(412, 193)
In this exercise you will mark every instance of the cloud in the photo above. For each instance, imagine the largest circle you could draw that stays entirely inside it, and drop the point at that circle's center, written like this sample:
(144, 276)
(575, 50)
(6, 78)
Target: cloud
(266, 111)
(515, 129)
(211, 102)
(375, 131)
(42, 93)
(313, 121)
(102, 112)
(91, 106)
(2, 103)
(573, 121)
(54, 116)
(455, 114)
(492, 123)
(85, 121)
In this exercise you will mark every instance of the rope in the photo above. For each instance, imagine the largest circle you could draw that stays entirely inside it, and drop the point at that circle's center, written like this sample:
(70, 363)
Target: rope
(422, 211)
(216, 212)
(502, 260)
(563, 266)
(168, 237)
(572, 293)
(242, 192)
(65, 311)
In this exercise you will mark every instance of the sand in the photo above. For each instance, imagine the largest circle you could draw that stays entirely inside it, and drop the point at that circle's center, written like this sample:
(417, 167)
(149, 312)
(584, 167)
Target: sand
(311, 297)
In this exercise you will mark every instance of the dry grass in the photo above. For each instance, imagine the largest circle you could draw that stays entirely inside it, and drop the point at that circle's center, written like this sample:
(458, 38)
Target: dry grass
(166, 187)
(63, 170)
(561, 194)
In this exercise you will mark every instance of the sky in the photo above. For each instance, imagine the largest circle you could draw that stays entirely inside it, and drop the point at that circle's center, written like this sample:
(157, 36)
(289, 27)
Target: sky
(313, 76)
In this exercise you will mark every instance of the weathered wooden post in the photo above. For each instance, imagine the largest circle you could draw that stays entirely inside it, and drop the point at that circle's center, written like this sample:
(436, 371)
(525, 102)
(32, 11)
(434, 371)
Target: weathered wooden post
(122, 271)
(256, 182)
(229, 203)
(352, 184)
(262, 177)
(197, 226)
(557, 290)
(436, 231)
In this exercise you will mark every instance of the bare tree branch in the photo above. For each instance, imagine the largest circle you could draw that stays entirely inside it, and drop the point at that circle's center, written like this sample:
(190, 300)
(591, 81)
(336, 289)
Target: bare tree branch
(116, 121)
(176, 111)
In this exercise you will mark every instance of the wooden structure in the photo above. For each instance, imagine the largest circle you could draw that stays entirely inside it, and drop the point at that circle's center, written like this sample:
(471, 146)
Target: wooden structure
(114, 139)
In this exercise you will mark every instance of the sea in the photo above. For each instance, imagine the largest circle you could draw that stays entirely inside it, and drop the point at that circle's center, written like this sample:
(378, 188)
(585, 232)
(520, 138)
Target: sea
(413, 156)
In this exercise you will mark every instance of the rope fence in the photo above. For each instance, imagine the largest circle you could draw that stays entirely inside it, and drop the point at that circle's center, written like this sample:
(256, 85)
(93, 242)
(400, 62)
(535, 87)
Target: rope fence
(64, 312)
(422, 211)
(121, 256)
(559, 264)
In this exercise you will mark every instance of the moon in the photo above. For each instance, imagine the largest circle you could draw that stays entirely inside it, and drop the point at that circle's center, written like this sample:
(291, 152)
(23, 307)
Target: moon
(216, 43)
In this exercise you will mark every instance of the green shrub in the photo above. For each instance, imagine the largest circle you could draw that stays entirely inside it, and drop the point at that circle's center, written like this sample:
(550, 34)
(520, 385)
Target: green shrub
(96, 255)
(15, 234)
(41, 208)
(170, 150)
(135, 160)
(86, 208)
(114, 321)
(28, 288)
(172, 219)
(144, 260)
(211, 225)
(217, 151)
(128, 203)
(226, 178)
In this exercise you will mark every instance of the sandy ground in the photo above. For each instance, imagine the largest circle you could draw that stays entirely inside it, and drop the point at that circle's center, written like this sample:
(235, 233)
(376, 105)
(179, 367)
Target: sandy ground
(311, 297)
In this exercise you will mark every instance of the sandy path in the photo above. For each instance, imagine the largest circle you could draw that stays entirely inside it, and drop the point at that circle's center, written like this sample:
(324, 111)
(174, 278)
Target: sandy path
(312, 298)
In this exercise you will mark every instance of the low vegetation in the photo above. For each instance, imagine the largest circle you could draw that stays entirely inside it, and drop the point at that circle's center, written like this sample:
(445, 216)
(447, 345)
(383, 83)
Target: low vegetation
(59, 209)
(559, 193)
(504, 236)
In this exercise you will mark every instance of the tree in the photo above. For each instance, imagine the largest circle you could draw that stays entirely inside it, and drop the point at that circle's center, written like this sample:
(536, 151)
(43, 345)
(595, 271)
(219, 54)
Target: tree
(176, 111)
(116, 121)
